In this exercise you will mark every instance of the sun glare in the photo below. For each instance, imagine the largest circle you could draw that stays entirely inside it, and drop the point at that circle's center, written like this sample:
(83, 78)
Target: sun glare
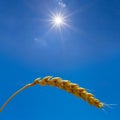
(58, 20)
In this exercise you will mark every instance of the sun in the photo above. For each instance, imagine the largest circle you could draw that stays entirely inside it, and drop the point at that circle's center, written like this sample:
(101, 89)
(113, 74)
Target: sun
(58, 20)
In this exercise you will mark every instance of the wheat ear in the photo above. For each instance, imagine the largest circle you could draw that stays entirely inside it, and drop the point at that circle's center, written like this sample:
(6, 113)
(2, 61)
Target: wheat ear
(62, 84)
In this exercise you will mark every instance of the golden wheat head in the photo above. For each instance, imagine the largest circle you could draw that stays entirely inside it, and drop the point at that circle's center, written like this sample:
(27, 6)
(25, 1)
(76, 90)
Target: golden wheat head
(66, 85)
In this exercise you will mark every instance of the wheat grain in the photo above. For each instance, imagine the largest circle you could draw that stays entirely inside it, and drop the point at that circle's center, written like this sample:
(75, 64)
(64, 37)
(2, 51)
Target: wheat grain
(62, 84)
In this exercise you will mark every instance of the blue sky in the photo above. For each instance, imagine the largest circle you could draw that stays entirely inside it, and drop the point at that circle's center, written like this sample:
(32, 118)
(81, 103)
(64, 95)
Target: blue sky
(87, 53)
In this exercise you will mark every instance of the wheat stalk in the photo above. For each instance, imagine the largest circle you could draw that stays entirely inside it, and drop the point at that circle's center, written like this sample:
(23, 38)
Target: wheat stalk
(62, 84)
